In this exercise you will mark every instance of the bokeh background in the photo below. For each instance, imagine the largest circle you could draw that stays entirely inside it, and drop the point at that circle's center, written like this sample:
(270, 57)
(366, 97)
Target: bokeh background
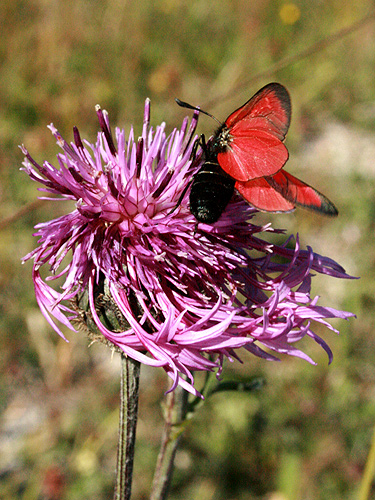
(307, 433)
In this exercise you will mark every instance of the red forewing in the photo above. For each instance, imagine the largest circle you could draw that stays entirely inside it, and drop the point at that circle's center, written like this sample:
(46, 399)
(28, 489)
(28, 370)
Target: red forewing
(269, 109)
(251, 138)
(253, 154)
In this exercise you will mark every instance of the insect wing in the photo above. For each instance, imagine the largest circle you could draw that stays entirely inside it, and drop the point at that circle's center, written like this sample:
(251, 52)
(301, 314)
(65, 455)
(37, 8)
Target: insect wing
(260, 194)
(269, 109)
(253, 154)
(300, 193)
(256, 131)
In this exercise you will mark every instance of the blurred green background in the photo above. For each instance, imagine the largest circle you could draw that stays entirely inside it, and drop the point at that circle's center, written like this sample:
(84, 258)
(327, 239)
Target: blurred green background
(307, 433)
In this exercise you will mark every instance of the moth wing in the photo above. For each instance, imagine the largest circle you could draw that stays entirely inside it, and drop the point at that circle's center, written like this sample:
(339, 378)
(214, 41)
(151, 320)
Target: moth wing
(256, 131)
(260, 194)
(253, 154)
(269, 109)
(298, 192)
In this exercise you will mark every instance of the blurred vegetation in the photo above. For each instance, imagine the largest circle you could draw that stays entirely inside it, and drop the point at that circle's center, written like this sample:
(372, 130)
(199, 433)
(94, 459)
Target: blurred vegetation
(307, 433)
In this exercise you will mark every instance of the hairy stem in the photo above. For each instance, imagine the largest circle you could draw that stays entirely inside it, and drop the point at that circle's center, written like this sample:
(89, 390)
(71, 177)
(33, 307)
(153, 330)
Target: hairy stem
(175, 423)
(130, 371)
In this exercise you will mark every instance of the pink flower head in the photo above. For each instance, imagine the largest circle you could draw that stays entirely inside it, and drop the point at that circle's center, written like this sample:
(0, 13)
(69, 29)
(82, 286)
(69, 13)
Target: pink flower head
(190, 294)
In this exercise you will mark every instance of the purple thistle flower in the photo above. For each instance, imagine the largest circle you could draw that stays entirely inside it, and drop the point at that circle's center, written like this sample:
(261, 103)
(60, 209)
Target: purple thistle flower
(189, 294)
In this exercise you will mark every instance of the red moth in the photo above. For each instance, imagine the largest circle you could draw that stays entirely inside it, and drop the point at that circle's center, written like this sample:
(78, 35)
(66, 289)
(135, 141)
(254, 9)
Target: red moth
(247, 153)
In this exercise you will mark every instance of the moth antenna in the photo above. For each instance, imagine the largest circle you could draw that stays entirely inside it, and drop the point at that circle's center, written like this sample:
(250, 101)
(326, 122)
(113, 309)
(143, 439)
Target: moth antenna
(196, 108)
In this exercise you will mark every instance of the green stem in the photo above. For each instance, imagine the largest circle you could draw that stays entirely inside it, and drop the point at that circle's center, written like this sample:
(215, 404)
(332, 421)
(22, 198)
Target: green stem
(130, 371)
(369, 473)
(175, 415)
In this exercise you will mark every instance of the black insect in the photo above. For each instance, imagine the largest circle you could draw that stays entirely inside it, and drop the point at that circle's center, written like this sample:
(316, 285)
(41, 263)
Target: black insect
(247, 154)
(211, 189)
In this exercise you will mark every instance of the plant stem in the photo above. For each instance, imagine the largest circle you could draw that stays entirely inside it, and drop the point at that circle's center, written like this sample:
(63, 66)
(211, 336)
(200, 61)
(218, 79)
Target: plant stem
(130, 371)
(369, 473)
(175, 415)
